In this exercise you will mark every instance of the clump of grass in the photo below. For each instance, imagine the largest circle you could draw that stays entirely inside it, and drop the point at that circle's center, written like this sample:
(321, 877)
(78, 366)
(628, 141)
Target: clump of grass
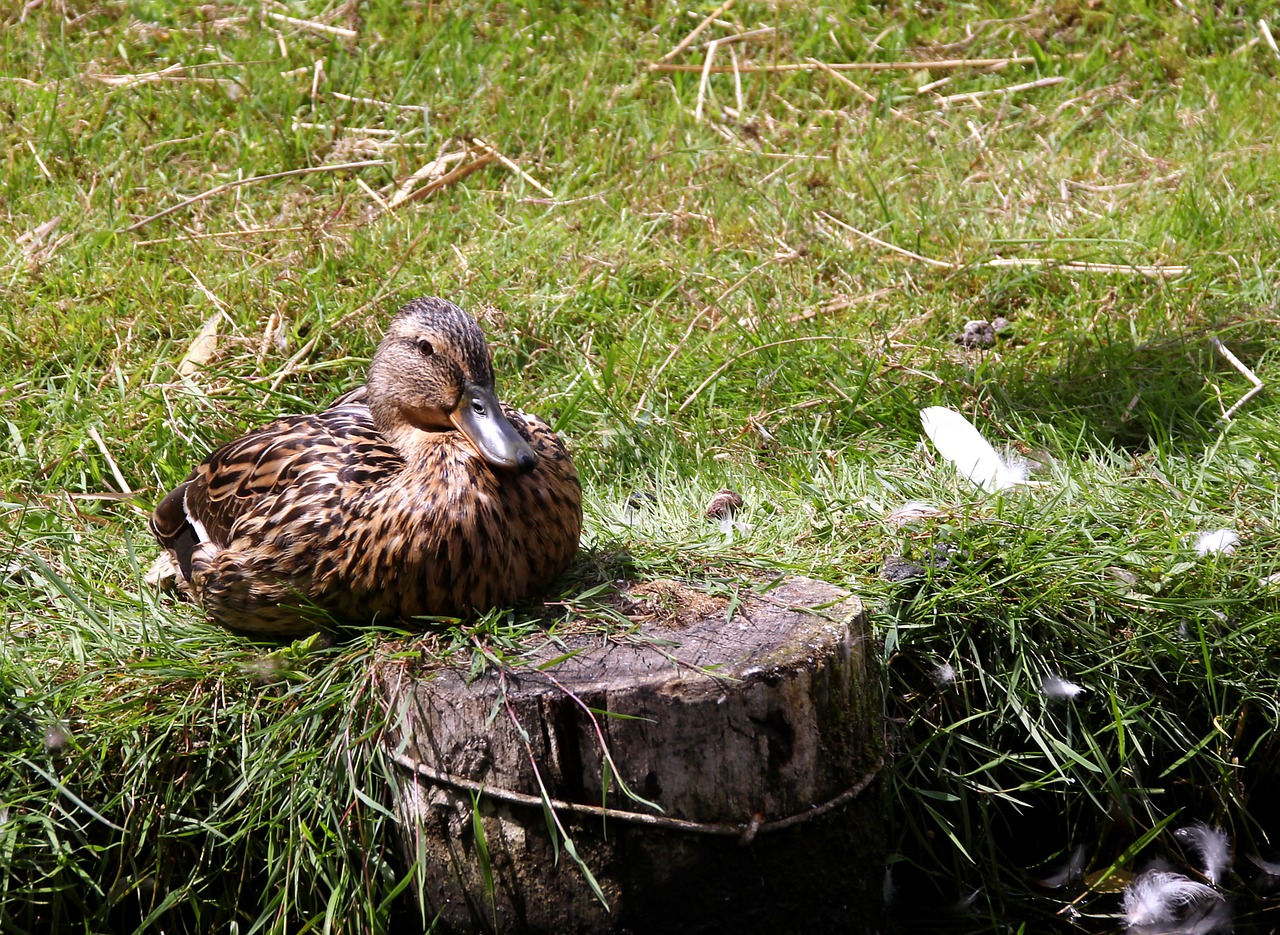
(155, 780)
(693, 308)
(1176, 654)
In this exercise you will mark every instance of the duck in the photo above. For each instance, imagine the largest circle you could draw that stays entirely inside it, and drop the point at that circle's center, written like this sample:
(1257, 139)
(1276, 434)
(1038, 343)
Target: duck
(415, 495)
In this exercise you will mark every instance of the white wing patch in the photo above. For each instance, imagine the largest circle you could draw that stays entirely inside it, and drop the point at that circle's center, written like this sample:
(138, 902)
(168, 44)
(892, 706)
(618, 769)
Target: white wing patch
(202, 534)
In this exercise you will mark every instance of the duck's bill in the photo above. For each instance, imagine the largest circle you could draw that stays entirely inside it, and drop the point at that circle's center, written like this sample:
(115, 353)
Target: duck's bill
(480, 418)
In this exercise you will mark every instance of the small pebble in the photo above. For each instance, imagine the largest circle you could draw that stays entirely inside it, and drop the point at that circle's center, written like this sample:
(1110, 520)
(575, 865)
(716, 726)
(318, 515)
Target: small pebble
(642, 499)
(1122, 575)
(897, 569)
(724, 504)
(943, 552)
(978, 333)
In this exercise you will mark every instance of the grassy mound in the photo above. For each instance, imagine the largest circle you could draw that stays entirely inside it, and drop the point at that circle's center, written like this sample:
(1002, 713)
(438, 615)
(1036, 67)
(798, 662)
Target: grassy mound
(739, 267)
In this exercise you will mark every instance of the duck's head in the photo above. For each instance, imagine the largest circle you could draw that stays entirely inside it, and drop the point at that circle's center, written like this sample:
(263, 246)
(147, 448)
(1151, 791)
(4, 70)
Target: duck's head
(433, 373)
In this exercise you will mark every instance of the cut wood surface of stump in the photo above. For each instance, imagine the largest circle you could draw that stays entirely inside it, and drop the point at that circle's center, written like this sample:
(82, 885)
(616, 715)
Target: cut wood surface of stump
(753, 725)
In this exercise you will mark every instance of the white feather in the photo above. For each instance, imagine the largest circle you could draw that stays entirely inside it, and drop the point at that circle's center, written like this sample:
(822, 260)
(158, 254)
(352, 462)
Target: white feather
(1071, 869)
(912, 512)
(1270, 867)
(1216, 541)
(1213, 846)
(1161, 897)
(163, 573)
(963, 445)
(1060, 689)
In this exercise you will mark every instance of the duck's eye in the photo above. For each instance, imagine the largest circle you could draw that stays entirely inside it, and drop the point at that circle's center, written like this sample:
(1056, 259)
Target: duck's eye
(425, 348)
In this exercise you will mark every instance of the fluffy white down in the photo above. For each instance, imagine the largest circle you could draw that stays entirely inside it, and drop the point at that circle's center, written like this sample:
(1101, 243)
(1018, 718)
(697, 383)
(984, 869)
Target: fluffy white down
(1213, 846)
(1217, 541)
(1158, 897)
(1060, 689)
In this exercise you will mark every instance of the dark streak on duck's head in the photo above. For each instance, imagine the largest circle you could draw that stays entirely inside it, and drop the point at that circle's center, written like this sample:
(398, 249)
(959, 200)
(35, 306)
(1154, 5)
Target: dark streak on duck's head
(432, 372)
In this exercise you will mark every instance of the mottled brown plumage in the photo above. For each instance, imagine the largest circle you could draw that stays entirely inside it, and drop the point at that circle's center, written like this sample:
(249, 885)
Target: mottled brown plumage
(417, 494)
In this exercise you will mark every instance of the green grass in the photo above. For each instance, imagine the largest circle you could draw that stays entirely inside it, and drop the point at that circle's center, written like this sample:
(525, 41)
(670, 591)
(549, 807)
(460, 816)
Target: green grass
(674, 250)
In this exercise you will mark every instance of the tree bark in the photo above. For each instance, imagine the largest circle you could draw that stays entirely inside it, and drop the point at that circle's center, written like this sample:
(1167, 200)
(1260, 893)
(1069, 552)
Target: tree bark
(755, 728)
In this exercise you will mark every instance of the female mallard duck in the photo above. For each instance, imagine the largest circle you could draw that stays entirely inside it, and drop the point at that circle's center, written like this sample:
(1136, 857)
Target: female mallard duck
(416, 494)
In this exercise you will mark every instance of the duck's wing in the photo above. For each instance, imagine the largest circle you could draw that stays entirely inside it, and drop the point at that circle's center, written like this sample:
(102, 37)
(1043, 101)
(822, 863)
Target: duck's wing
(357, 396)
(341, 442)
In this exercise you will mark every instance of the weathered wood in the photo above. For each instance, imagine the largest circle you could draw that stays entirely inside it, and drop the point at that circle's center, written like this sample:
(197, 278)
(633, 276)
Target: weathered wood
(757, 726)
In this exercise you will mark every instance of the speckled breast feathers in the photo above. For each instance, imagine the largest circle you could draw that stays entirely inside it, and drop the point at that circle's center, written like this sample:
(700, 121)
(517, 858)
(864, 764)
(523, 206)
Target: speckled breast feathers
(418, 494)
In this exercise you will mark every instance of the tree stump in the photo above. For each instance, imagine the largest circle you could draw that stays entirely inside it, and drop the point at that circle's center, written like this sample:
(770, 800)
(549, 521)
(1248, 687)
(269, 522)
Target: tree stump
(758, 736)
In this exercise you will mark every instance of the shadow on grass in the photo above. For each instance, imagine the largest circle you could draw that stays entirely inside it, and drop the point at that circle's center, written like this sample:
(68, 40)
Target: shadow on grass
(1132, 395)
